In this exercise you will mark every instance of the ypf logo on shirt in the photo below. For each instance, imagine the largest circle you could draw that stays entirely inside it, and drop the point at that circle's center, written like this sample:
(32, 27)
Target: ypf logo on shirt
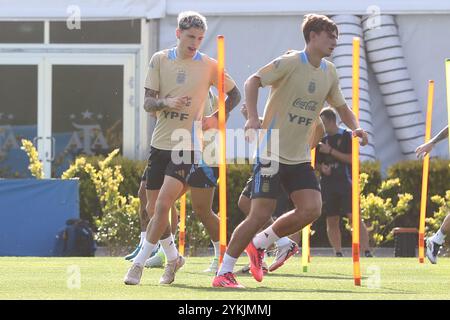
(181, 76)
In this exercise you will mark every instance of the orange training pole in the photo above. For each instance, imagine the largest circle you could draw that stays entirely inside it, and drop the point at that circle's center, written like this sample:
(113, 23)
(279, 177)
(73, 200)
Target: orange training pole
(355, 167)
(313, 164)
(222, 160)
(182, 242)
(426, 165)
(306, 231)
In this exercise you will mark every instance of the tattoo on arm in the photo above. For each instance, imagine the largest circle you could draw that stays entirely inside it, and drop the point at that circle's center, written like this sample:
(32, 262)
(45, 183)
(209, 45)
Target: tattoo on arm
(151, 101)
(441, 135)
(232, 100)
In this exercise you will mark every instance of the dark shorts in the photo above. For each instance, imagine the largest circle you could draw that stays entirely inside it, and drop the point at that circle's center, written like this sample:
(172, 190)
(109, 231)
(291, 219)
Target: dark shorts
(247, 191)
(160, 164)
(336, 200)
(284, 202)
(269, 184)
(203, 176)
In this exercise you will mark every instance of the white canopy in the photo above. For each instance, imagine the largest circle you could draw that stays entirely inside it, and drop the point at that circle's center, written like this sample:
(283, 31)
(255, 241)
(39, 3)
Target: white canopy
(298, 7)
(154, 9)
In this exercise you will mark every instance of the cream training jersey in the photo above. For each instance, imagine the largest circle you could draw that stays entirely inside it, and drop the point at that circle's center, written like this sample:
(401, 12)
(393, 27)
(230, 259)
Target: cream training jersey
(297, 95)
(173, 77)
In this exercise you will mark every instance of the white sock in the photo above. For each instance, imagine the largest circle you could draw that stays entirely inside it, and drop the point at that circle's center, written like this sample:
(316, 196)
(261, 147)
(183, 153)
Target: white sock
(170, 250)
(264, 239)
(439, 237)
(227, 264)
(144, 253)
(157, 248)
(143, 236)
(216, 245)
(282, 242)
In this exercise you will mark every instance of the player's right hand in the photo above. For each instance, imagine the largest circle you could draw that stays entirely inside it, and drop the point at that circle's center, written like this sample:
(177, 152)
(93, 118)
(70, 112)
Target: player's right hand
(177, 103)
(251, 125)
(361, 134)
(424, 149)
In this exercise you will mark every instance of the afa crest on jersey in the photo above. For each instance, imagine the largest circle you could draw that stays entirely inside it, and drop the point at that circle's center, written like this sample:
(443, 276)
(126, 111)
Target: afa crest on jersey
(181, 76)
(311, 87)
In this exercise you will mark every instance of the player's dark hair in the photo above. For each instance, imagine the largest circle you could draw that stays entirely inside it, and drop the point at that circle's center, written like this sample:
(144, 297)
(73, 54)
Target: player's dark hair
(328, 114)
(191, 19)
(317, 23)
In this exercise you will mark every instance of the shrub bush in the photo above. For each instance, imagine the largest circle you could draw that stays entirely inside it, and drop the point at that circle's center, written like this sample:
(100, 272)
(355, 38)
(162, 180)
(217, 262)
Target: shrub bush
(132, 170)
(123, 228)
(410, 175)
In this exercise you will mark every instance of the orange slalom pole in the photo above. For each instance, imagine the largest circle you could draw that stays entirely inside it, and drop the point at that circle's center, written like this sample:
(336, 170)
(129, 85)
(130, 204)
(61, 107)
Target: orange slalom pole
(222, 143)
(306, 231)
(425, 170)
(313, 164)
(355, 166)
(182, 236)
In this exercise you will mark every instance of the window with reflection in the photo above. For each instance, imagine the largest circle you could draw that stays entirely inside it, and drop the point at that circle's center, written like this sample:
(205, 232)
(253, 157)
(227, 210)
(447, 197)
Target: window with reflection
(87, 109)
(18, 117)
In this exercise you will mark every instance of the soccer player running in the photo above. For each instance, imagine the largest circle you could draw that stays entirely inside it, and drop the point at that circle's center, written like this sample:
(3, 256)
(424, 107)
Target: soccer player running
(435, 242)
(202, 199)
(285, 246)
(177, 85)
(301, 82)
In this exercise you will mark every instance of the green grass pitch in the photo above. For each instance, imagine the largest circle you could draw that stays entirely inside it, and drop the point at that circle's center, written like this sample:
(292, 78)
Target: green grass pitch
(327, 278)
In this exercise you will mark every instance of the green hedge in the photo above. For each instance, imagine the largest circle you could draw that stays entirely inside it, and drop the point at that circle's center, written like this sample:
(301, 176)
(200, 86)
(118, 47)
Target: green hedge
(372, 168)
(132, 170)
(196, 236)
(409, 172)
(89, 204)
(410, 175)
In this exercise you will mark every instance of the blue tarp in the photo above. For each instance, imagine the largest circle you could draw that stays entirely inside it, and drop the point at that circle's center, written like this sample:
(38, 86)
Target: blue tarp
(32, 212)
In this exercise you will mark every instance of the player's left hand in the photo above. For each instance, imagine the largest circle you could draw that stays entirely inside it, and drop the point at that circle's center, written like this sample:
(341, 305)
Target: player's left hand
(361, 134)
(210, 122)
(325, 169)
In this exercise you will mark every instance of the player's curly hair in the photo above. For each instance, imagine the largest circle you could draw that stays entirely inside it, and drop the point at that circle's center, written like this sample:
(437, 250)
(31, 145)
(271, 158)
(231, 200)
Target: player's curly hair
(317, 23)
(191, 19)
